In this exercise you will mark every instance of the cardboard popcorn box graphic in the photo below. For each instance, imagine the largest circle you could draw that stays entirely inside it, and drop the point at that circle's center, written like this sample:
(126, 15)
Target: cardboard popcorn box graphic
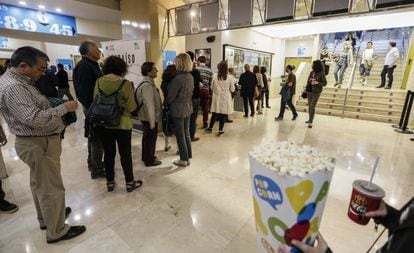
(287, 207)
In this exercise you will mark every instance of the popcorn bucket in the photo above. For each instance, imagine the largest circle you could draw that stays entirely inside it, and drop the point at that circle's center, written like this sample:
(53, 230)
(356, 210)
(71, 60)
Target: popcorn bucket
(287, 207)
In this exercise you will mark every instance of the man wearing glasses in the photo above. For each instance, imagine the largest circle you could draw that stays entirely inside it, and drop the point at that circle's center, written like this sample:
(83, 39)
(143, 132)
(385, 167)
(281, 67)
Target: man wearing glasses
(37, 127)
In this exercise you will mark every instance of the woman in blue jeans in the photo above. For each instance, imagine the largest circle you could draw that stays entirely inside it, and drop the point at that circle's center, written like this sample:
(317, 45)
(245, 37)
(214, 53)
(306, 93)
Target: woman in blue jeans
(180, 92)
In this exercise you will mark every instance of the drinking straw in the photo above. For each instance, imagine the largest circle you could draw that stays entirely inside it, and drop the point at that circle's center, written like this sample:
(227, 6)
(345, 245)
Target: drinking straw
(374, 170)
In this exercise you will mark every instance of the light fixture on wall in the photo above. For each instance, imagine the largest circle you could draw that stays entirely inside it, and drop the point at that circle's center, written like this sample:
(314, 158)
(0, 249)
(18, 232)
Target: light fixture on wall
(42, 7)
(59, 10)
(22, 2)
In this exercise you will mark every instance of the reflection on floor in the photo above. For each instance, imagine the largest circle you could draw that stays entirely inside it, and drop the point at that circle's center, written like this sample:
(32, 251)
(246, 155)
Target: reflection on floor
(207, 207)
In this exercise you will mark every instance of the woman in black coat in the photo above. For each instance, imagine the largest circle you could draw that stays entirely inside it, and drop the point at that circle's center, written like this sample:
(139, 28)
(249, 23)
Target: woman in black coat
(314, 86)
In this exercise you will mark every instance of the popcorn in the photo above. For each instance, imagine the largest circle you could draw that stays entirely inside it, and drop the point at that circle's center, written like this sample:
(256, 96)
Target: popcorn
(288, 158)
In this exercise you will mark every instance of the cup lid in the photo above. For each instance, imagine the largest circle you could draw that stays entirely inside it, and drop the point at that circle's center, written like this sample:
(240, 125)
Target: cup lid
(368, 188)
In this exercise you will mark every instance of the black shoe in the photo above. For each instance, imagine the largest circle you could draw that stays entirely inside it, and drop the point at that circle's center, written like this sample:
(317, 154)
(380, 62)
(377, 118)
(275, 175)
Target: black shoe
(388, 87)
(279, 118)
(381, 86)
(195, 139)
(153, 164)
(229, 121)
(68, 211)
(307, 122)
(220, 133)
(294, 117)
(252, 115)
(205, 126)
(98, 173)
(208, 130)
(73, 232)
(268, 107)
(7, 207)
(310, 125)
(245, 116)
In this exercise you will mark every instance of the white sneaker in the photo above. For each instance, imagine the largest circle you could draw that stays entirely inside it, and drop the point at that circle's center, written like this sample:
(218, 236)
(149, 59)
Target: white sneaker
(181, 163)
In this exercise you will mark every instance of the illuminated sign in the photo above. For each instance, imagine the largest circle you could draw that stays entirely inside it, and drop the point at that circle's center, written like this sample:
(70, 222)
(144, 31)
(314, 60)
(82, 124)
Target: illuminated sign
(24, 19)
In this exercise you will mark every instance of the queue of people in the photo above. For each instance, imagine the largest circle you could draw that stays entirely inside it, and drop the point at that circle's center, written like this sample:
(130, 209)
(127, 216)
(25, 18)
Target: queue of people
(37, 125)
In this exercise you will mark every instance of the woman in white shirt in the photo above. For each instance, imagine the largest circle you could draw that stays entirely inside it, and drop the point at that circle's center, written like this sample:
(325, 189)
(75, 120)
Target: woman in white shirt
(221, 105)
(367, 61)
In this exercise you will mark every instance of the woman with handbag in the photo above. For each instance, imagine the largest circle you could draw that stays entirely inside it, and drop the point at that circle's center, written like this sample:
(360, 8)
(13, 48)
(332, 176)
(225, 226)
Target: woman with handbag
(314, 86)
(287, 92)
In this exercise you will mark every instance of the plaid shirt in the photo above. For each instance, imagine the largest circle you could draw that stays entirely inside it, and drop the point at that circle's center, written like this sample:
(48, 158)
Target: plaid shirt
(26, 111)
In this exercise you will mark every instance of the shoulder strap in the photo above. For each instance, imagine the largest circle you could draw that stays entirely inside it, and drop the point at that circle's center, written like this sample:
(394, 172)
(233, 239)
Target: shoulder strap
(113, 93)
(135, 94)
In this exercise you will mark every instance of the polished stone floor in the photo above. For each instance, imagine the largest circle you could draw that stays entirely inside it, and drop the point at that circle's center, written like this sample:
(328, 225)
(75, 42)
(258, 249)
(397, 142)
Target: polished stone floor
(207, 207)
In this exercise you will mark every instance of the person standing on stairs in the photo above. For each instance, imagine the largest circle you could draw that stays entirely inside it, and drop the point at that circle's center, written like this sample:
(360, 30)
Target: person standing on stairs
(326, 59)
(342, 62)
(367, 61)
(390, 63)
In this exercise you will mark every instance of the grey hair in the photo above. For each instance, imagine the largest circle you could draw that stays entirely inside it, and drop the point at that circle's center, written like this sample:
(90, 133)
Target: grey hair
(85, 47)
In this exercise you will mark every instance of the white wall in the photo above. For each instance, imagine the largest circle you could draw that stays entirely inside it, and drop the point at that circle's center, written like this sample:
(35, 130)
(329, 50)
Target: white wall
(60, 51)
(199, 41)
(293, 45)
(16, 43)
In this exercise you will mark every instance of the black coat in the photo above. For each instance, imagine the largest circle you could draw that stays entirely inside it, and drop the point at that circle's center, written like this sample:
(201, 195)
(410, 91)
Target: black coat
(400, 225)
(248, 82)
(47, 84)
(84, 77)
(197, 80)
(317, 88)
(63, 79)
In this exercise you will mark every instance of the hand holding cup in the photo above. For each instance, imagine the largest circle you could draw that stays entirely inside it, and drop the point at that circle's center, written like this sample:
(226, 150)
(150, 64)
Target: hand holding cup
(320, 248)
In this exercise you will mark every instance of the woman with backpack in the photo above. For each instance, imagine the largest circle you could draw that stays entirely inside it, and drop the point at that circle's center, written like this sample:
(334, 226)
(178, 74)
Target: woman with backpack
(150, 113)
(114, 70)
(314, 86)
(180, 92)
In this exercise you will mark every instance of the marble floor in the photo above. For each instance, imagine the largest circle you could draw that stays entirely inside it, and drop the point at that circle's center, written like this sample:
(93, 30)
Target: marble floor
(207, 207)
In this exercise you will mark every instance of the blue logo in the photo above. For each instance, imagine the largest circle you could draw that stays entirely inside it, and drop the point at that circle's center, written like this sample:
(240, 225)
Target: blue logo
(268, 190)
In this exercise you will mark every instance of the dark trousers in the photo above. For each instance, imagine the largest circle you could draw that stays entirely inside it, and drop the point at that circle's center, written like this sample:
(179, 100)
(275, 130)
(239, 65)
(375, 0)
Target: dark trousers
(64, 91)
(95, 150)
(182, 133)
(283, 104)
(205, 104)
(149, 140)
(251, 104)
(2, 194)
(220, 117)
(312, 100)
(266, 97)
(389, 72)
(193, 118)
(111, 137)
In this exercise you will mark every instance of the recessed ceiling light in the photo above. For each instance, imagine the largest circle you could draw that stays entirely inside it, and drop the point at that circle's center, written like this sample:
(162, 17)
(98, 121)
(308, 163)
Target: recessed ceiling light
(142, 26)
(42, 7)
(22, 2)
(127, 22)
(134, 24)
(59, 10)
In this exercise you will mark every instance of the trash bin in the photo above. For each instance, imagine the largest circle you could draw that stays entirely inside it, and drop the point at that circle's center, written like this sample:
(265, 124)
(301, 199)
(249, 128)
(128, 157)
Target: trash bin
(288, 198)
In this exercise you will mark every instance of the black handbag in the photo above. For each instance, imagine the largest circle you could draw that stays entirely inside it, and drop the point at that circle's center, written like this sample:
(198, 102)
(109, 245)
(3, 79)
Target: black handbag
(304, 94)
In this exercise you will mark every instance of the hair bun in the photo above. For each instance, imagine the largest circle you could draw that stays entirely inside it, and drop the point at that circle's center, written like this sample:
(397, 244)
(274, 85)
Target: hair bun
(293, 67)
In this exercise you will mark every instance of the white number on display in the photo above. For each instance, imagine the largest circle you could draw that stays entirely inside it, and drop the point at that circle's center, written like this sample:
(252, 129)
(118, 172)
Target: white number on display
(55, 29)
(29, 25)
(67, 30)
(11, 23)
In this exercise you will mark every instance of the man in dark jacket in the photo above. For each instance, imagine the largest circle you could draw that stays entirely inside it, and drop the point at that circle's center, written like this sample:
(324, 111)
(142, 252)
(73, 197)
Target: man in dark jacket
(63, 85)
(195, 99)
(248, 82)
(47, 84)
(84, 77)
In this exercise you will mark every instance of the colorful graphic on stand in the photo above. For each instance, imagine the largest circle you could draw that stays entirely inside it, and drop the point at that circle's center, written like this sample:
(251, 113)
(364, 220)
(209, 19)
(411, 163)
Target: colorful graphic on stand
(287, 208)
(24, 19)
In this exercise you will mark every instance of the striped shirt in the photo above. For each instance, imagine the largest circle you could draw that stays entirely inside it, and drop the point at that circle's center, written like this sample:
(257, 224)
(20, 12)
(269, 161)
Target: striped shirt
(206, 75)
(26, 111)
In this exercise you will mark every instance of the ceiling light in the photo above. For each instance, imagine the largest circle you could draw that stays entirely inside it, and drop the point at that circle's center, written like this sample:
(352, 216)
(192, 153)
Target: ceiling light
(42, 7)
(22, 2)
(127, 22)
(59, 10)
(134, 24)
(193, 13)
(142, 26)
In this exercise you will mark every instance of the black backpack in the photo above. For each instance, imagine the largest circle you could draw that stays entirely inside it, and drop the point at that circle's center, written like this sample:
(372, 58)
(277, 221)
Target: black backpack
(105, 109)
(139, 103)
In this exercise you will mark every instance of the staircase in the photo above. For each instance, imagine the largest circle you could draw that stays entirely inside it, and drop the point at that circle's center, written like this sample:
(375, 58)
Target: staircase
(366, 104)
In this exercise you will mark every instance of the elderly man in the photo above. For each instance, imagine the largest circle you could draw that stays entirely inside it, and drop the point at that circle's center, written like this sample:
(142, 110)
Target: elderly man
(37, 127)
(84, 77)
(248, 82)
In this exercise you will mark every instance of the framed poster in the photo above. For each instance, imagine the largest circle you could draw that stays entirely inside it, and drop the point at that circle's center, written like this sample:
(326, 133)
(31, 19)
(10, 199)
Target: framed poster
(204, 52)
(168, 58)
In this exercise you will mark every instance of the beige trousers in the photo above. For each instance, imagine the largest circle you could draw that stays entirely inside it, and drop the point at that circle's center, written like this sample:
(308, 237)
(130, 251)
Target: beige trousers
(42, 155)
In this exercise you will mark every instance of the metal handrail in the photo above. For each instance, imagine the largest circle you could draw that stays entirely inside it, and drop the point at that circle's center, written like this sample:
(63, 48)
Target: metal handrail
(352, 75)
